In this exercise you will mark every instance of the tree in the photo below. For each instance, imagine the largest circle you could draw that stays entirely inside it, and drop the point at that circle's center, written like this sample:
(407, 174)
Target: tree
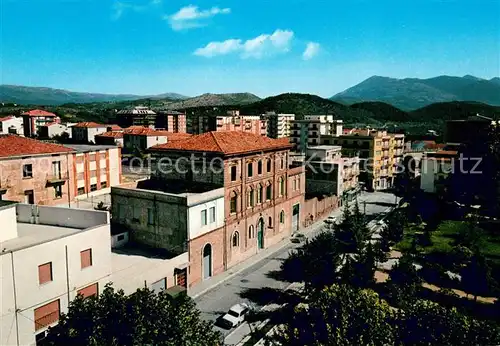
(404, 280)
(476, 276)
(143, 318)
(396, 223)
(359, 269)
(352, 233)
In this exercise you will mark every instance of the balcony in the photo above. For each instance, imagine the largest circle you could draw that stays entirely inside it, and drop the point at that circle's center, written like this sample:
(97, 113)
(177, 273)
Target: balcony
(56, 178)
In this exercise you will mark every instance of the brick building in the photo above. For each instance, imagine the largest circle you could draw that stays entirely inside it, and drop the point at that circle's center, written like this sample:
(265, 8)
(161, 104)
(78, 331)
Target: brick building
(32, 120)
(262, 196)
(172, 121)
(43, 173)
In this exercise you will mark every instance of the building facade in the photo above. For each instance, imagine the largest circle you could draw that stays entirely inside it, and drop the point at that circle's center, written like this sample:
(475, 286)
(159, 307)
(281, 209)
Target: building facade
(54, 129)
(171, 121)
(278, 125)
(85, 132)
(11, 125)
(436, 169)
(138, 116)
(232, 121)
(309, 131)
(140, 139)
(32, 120)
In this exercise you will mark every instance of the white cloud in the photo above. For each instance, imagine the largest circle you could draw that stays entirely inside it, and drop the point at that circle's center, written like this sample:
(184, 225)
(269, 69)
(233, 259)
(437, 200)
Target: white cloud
(119, 7)
(265, 44)
(191, 17)
(312, 49)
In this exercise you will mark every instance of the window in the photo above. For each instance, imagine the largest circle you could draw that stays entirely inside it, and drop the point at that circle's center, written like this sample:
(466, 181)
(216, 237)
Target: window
(236, 239)
(212, 214)
(233, 173)
(28, 171)
(295, 184)
(56, 169)
(204, 217)
(270, 222)
(282, 186)
(250, 169)
(269, 166)
(268, 192)
(45, 273)
(121, 237)
(103, 185)
(58, 191)
(46, 315)
(93, 187)
(88, 291)
(151, 217)
(233, 203)
(86, 258)
(251, 201)
(378, 152)
(250, 232)
(282, 163)
(282, 216)
(259, 194)
(259, 167)
(81, 191)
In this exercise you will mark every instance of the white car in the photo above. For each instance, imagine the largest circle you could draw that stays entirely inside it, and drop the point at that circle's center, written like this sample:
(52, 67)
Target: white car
(236, 315)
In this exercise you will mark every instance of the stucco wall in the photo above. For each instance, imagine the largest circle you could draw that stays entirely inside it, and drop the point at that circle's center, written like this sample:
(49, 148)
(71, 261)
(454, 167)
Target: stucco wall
(8, 222)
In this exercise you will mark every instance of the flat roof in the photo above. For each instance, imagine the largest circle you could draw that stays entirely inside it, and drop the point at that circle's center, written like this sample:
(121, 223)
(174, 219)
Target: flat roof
(325, 147)
(85, 148)
(34, 234)
(180, 188)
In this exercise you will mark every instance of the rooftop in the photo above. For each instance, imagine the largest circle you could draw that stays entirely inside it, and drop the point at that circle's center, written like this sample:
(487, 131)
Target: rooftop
(137, 110)
(12, 145)
(168, 112)
(114, 134)
(226, 143)
(90, 124)
(39, 112)
(7, 118)
(325, 147)
(85, 148)
(146, 131)
(180, 188)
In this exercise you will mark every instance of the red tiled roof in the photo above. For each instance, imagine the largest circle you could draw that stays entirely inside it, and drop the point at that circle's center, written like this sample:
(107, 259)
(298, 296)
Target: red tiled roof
(226, 142)
(12, 145)
(7, 118)
(146, 131)
(39, 112)
(114, 127)
(89, 124)
(114, 134)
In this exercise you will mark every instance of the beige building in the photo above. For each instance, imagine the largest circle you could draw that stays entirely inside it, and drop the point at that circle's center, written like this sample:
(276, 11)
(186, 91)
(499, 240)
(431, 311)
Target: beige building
(380, 154)
(278, 125)
(309, 131)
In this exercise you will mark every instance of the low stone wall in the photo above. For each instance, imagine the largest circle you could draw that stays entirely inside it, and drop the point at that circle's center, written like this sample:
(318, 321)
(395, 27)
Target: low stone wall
(318, 207)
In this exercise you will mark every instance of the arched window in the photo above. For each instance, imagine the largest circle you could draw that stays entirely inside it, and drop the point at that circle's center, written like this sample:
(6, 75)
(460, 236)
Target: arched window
(282, 186)
(259, 167)
(234, 202)
(251, 233)
(269, 192)
(236, 239)
(260, 190)
(251, 201)
(269, 166)
(282, 216)
(270, 222)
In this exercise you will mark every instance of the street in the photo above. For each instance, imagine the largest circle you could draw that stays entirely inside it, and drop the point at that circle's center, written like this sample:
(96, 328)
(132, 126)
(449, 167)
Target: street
(243, 285)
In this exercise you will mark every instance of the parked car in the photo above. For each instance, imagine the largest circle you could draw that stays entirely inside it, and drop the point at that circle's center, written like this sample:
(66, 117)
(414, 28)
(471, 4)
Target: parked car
(235, 315)
(297, 238)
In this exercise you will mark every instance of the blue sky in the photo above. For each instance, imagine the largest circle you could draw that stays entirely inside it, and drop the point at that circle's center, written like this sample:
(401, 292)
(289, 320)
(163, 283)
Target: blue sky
(261, 46)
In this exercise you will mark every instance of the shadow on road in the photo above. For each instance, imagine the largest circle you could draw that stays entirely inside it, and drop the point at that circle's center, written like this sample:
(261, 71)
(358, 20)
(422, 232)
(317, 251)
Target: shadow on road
(382, 204)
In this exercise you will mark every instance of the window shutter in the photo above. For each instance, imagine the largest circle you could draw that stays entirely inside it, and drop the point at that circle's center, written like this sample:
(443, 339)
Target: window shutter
(45, 273)
(46, 315)
(89, 291)
(86, 258)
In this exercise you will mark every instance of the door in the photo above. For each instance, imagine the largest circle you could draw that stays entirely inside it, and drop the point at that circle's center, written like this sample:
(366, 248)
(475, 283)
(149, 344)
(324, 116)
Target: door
(207, 261)
(29, 197)
(295, 217)
(181, 278)
(260, 233)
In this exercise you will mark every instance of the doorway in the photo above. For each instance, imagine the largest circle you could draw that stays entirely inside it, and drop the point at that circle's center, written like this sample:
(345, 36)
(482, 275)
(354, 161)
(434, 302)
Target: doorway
(260, 233)
(29, 197)
(207, 261)
(295, 217)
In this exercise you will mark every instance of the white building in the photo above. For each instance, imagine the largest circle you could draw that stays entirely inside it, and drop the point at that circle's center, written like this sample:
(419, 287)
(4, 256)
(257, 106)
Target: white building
(307, 132)
(54, 129)
(278, 125)
(12, 125)
(435, 169)
(49, 255)
(85, 132)
(143, 138)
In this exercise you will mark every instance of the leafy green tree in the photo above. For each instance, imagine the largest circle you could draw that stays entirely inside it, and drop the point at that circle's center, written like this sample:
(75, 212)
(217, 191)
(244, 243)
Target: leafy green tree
(143, 318)
(352, 233)
(359, 269)
(404, 280)
(476, 276)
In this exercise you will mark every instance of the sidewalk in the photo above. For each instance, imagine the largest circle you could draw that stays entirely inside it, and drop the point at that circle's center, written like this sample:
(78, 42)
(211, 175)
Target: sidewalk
(215, 281)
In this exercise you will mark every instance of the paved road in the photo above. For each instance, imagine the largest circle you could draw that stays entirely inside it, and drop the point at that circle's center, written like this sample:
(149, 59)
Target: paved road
(218, 300)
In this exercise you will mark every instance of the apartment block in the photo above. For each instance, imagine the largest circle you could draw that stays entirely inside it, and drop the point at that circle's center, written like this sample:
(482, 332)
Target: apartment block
(49, 255)
(85, 132)
(32, 120)
(308, 131)
(12, 125)
(171, 121)
(380, 154)
(138, 116)
(232, 121)
(278, 125)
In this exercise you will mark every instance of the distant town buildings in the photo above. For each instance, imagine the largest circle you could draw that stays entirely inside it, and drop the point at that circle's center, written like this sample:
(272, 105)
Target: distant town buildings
(308, 131)
(278, 125)
(232, 121)
(52, 130)
(171, 121)
(436, 167)
(32, 120)
(138, 116)
(139, 139)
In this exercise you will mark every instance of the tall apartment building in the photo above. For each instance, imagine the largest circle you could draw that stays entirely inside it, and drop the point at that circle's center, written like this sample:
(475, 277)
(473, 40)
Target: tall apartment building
(11, 125)
(32, 120)
(232, 194)
(233, 121)
(380, 154)
(308, 131)
(138, 116)
(42, 173)
(278, 125)
(171, 121)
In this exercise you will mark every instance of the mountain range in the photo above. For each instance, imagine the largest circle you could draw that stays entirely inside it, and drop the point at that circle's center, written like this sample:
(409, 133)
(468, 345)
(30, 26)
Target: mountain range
(413, 93)
(48, 96)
